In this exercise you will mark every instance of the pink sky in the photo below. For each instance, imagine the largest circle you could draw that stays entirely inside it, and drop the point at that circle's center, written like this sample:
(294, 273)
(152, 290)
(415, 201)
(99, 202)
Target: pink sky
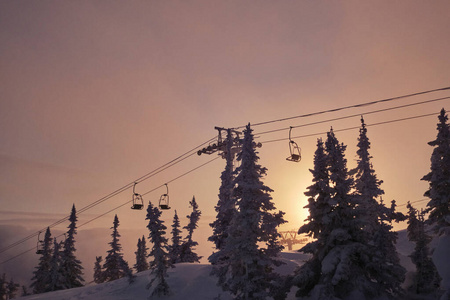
(95, 94)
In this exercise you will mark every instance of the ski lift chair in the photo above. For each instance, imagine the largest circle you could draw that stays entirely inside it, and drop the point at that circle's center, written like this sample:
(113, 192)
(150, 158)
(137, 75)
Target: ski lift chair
(294, 150)
(39, 246)
(138, 202)
(164, 200)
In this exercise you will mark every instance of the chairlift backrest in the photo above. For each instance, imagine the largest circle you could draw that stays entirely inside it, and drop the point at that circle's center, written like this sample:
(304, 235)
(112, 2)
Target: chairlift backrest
(39, 245)
(294, 149)
(164, 202)
(138, 202)
(164, 199)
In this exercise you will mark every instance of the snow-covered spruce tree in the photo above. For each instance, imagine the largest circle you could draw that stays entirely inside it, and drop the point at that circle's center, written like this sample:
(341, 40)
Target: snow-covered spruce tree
(116, 266)
(340, 251)
(159, 252)
(41, 276)
(99, 276)
(187, 253)
(11, 289)
(141, 256)
(366, 184)
(319, 207)
(426, 279)
(3, 288)
(56, 272)
(71, 267)
(252, 244)
(226, 209)
(8, 289)
(226, 206)
(375, 219)
(175, 247)
(439, 179)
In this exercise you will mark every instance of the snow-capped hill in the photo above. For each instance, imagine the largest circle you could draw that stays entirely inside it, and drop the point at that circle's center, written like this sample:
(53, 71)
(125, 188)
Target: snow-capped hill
(186, 281)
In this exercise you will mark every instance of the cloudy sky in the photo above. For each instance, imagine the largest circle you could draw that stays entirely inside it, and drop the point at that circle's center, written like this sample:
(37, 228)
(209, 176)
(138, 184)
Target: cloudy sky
(95, 94)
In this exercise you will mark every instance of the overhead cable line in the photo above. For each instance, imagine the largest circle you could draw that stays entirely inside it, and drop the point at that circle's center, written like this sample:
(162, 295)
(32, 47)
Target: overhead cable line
(347, 107)
(121, 205)
(352, 128)
(354, 115)
(158, 170)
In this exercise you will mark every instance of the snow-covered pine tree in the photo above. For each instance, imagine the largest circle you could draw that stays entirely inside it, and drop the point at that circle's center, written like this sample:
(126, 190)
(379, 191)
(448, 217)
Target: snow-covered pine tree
(3, 286)
(99, 276)
(226, 209)
(56, 272)
(439, 179)
(366, 184)
(226, 205)
(252, 243)
(319, 207)
(41, 276)
(175, 247)
(11, 289)
(8, 289)
(384, 266)
(187, 253)
(337, 268)
(141, 256)
(71, 268)
(375, 219)
(115, 266)
(426, 279)
(159, 252)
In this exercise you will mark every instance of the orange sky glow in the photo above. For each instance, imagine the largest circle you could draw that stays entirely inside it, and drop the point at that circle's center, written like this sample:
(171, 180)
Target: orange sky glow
(96, 94)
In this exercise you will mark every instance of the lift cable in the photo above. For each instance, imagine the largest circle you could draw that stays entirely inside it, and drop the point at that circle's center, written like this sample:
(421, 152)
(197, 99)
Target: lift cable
(346, 107)
(352, 128)
(178, 159)
(121, 205)
(354, 115)
(158, 170)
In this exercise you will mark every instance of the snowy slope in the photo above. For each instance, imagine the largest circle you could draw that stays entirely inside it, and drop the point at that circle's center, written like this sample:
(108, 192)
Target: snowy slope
(187, 281)
(192, 281)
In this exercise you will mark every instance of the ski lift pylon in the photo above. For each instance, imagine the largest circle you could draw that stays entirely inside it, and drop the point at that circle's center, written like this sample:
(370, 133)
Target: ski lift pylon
(138, 202)
(164, 199)
(293, 149)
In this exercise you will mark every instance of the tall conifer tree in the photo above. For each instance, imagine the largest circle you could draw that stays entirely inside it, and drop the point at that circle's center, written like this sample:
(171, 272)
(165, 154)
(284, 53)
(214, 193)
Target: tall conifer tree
(56, 272)
(116, 266)
(319, 207)
(226, 206)
(159, 252)
(439, 178)
(375, 219)
(426, 279)
(41, 276)
(141, 256)
(71, 268)
(99, 276)
(188, 246)
(175, 247)
(251, 247)
(340, 256)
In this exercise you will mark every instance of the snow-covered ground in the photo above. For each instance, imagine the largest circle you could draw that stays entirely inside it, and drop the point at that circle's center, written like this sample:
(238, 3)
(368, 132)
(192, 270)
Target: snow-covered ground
(187, 281)
(192, 281)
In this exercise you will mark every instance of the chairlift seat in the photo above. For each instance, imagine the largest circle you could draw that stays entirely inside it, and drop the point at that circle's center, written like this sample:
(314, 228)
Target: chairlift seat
(164, 202)
(137, 206)
(294, 158)
(138, 202)
(164, 206)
